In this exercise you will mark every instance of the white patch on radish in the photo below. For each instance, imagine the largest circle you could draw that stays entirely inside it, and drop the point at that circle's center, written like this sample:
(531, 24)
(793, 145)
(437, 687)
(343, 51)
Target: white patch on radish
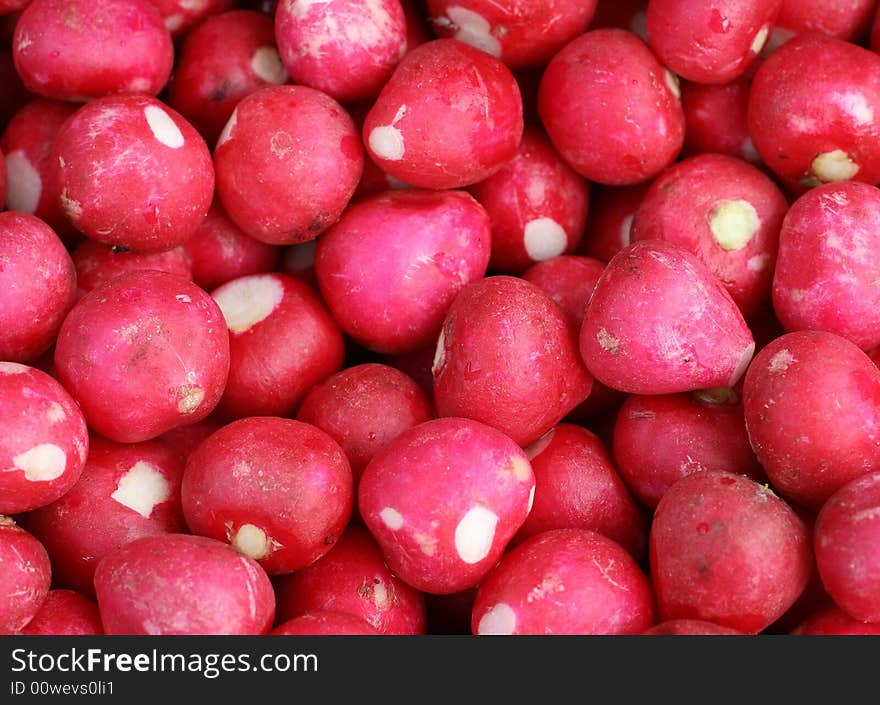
(163, 127)
(386, 142)
(183, 299)
(13, 368)
(749, 153)
(544, 239)
(42, 463)
(141, 488)
(626, 230)
(439, 354)
(547, 586)
(499, 620)
(392, 518)
(249, 300)
(856, 105)
(531, 499)
(300, 7)
(744, 360)
(71, 207)
(426, 542)
(226, 134)
(139, 85)
(733, 224)
(520, 468)
(758, 262)
(55, 413)
(536, 448)
(672, 83)
(760, 39)
(471, 28)
(24, 186)
(781, 361)
(834, 166)
(251, 541)
(266, 64)
(536, 190)
(173, 22)
(608, 342)
(190, 399)
(475, 533)
(381, 598)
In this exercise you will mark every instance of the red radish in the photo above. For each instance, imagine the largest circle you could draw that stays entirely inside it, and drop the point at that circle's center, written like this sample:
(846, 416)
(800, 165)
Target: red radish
(353, 578)
(443, 500)
(219, 251)
(82, 49)
(143, 353)
(25, 578)
(825, 278)
(10, 7)
(268, 156)
(716, 118)
(726, 550)
(345, 48)
(365, 407)
(126, 491)
(507, 356)
(724, 210)
(538, 206)
(611, 108)
(44, 439)
(569, 280)
(449, 116)
(225, 58)
(812, 410)
(391, 267)
(567, 581)
(282, 341)
(577, 486)
(177, 584)
(38, 281)
(814, 112)
(279, 491)
(690, 627)
(710, 42)
(659, 322)
(325, 623)
(179, 16)
(832, 621)
(521, 34)
(65, 613)
(844, 20)
(27, 143)
(133, 173)
(97, 263)
(609, 228)
(658, 439)
(845, 539)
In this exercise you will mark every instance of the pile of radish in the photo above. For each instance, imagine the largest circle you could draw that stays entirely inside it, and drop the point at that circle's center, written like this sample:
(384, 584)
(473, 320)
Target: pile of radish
(439, 316)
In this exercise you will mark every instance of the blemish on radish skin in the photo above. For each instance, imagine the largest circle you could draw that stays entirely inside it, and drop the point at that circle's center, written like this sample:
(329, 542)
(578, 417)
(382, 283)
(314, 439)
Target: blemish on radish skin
(24, 185)
(266, 64)
(164, 129)
(609, 343)
(672, 83)
(55, 413)
(475, 533)
(141, 488)
(531, 502)
(42, 463)
(392, 518)
(471, 28)
(248, 301)
(13, 368)
(544, 239)
(499, 620)
(758, 262)
(190, 397)
(781, 361)
(547, 586)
